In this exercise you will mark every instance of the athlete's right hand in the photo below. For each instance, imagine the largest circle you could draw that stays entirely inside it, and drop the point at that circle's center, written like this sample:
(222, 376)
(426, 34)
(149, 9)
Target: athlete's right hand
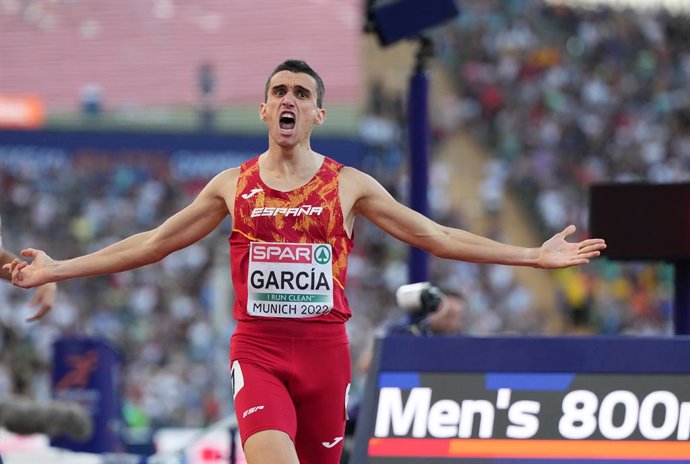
(28, 275)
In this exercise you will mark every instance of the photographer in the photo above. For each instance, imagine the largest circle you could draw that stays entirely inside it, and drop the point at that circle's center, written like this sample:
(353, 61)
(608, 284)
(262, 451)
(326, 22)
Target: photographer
(428, 311)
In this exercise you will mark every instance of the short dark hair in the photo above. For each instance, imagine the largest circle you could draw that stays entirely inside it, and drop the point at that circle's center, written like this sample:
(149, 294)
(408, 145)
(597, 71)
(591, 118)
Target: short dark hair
(298, 66)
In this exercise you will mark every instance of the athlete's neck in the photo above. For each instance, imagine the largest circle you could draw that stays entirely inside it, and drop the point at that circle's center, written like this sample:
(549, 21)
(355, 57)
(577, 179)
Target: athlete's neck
(285, 171)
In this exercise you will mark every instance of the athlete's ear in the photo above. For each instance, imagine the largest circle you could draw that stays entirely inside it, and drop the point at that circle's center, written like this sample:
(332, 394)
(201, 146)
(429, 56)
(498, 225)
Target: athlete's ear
(320, 116)
(262, 111)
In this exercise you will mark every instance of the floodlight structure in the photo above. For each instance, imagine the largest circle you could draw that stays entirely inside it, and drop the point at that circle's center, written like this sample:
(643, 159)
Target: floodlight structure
(392, 21)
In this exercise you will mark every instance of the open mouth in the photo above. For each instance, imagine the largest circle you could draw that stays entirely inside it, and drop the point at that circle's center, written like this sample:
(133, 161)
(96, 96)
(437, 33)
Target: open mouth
(287, 120)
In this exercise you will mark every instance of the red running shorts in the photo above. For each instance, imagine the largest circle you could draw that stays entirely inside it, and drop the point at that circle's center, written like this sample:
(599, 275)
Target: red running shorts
(294, 377)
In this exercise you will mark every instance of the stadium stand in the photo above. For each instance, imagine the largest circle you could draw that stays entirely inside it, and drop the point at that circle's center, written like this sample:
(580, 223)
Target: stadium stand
(562, 97)
(147, 54)
(565, 98)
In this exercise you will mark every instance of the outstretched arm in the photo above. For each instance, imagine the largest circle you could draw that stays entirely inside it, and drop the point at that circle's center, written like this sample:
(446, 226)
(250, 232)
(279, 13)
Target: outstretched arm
(189, 225)
(371, 200)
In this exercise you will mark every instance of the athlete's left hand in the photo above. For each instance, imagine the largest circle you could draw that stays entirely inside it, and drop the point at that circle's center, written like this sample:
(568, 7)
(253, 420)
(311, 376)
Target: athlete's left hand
(557, 253)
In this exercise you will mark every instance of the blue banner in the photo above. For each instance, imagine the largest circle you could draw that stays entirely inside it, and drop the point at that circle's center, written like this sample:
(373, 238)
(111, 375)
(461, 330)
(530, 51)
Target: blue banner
(88, 372)
(185, 156)
(526, 400)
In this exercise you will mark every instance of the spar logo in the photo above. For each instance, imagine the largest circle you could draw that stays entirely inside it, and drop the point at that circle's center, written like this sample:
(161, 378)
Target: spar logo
(282, 253)
(322, 254)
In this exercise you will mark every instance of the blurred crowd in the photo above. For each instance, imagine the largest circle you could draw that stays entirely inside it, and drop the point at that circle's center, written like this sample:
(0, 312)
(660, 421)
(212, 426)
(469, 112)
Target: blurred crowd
(561, 98)
(565, 98)
(161, 317)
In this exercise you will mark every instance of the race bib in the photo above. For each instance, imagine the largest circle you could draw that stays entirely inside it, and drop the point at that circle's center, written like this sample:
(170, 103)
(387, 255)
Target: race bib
(291, 280)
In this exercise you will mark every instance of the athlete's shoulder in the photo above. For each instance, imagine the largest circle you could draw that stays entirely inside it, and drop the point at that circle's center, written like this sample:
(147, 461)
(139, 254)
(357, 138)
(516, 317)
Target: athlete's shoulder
(227, 175)
(223, 182)
(351, 176)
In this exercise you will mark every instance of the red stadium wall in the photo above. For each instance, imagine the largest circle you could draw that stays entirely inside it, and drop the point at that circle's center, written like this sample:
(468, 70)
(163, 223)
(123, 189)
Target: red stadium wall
(148, 52)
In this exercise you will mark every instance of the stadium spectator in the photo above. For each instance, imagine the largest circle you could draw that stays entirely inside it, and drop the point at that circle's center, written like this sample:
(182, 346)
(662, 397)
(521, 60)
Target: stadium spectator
(446, 313)
(443, 315)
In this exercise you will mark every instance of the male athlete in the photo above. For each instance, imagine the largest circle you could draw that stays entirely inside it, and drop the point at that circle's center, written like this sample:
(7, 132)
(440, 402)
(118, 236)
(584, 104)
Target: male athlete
(293, 213)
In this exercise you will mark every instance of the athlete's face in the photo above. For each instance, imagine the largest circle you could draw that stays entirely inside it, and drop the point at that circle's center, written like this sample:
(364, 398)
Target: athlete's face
(290, 110)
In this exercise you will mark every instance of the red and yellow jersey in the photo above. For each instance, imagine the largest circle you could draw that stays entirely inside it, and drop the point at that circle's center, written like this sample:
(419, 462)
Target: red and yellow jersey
(288, 250)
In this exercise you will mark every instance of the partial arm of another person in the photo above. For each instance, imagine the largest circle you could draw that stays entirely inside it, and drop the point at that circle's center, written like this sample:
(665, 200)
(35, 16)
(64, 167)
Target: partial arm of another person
(182, 229)
(372, 201)
(44, 296)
